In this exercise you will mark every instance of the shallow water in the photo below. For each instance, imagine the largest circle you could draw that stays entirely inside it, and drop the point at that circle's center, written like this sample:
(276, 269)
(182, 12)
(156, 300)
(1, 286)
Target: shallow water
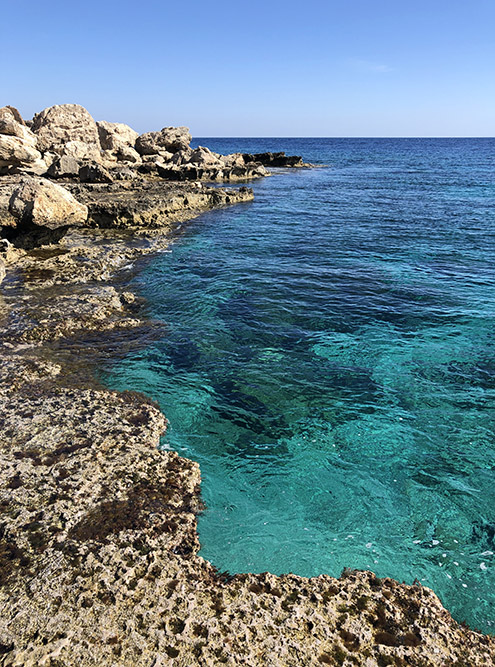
(330, 362)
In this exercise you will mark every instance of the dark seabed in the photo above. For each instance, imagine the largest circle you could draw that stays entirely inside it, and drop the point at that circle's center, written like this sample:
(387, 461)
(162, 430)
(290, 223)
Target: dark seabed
(330, 362)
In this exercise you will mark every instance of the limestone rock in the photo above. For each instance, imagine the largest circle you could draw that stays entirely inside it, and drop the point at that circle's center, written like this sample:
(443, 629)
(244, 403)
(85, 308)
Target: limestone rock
(279, 159)
(128, 154)
(16, 152)
(64, 167)
(46, 204)
(170, 139)
(2, 270)
(203, 157)
(115, 135)
(79, 150)
(94, 173)
(11, 126)
(63, 123)
(233, 160)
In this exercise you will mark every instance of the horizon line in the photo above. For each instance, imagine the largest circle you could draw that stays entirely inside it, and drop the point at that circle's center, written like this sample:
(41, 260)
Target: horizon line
(338, 137)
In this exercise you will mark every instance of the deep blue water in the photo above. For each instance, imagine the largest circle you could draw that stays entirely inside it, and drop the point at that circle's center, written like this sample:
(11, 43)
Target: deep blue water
(330, 361)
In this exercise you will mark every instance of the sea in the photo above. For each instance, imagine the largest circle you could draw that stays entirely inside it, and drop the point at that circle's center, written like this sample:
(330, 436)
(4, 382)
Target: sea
(328, 357)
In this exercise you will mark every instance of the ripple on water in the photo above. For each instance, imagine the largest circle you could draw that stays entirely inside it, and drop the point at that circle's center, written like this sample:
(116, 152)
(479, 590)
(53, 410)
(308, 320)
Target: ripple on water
(330, 362)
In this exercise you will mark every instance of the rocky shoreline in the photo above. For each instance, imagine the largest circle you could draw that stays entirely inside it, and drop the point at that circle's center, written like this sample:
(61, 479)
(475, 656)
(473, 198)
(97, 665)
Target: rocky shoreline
(98, 539)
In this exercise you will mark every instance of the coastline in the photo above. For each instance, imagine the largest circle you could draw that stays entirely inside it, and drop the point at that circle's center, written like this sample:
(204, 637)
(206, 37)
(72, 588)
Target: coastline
(99, 525)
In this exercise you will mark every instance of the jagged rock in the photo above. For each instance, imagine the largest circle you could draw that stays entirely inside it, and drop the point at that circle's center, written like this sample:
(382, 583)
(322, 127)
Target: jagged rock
(11, 126)
(63, 123)
(233, 160)
(42, 203)
(94, 173)
(171, 139)
(15, 112)
(16, 152)
(203, 157)
(128, 154)
(115, 135)
(64, 167)
(152, 204)
(2, 270)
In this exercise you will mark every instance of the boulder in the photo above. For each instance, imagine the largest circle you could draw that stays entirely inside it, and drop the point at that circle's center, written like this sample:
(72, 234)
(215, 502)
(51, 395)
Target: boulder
(79, 151)
(63, 123)
(171, 139)
(181, 157)
(16, 152)
(43, 203)
(233, 160)
(128, 154)
(64, 167)
(203, 157)
(17, 142)
(94, 173)
(115, 135)
(15, 128)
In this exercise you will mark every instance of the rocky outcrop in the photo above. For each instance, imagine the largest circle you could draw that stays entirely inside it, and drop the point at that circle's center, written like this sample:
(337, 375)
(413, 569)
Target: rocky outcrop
(169, 139)
(275, 159)
(42, 203)
(115, 135)
(57, 126)
(99, 564)
(152, 205)
(117, 141)
(17, 144)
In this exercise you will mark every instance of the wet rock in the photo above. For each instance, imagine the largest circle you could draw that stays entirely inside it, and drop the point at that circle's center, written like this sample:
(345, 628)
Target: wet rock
(42, 203)
(170, 139)
(279, 159)
(152, 205)
(63, 123)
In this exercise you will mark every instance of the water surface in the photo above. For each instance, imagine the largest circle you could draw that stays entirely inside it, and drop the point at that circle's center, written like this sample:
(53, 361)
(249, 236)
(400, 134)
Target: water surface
(330, 362)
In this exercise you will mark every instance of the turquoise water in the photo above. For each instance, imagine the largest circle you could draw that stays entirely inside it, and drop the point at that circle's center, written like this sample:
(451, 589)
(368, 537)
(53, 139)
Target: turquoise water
(329, 359)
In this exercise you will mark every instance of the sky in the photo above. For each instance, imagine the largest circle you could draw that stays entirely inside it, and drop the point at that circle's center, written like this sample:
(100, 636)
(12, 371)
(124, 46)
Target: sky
(355, 68)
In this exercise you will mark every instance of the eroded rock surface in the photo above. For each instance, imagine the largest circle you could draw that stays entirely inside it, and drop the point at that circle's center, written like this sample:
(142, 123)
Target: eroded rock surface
(99, 565)
(170, 139)
(98, 540)
(61, 124)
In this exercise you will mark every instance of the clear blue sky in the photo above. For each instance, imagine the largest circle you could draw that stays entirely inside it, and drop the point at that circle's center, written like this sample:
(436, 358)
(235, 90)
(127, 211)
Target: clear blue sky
(259, 68)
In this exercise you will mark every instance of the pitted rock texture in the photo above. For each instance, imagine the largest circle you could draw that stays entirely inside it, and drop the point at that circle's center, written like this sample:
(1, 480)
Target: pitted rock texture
(99, 565)
(63, 123)
(152, 204)
(171, 139)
